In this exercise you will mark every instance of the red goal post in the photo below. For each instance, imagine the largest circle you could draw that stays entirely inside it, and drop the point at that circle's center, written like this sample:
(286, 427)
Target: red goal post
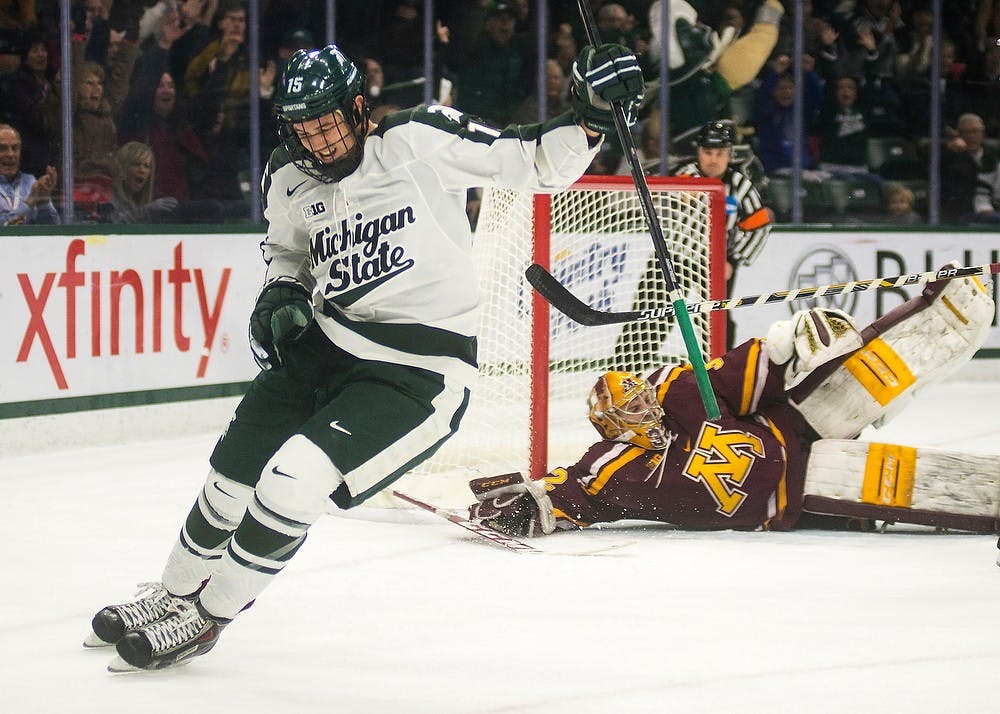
(528, 409)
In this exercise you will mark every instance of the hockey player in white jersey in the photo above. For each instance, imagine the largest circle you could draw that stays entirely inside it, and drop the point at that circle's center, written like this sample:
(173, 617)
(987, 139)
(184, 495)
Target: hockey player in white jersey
(364, 329)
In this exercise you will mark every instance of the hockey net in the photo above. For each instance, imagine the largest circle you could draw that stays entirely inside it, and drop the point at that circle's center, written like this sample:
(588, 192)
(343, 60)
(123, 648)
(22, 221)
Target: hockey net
(528, 411)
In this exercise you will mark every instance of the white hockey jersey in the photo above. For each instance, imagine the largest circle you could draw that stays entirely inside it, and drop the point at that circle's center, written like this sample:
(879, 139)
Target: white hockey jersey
(387, 251)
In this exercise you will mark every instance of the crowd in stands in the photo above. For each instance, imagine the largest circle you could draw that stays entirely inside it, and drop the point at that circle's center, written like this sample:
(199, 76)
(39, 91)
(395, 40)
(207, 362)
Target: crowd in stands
(162, 88)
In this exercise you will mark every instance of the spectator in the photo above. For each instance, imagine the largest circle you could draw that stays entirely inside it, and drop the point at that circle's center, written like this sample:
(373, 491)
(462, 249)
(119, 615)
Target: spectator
(843, 128)
(402, 46)
(195, 19)
(812, 27)
(772, 115)
(870, 52)
(132, 187)
(873, 24)
(217, 81)
(98, 95)
(151, 114)
(984, 88)
(23, 199)
(914, 58)
(556, 101)
(29, 91)
(900, 202)
(493, 63)
(611, 24)
(968, 169)
(565, 47)
(374, 81)
(955, 99)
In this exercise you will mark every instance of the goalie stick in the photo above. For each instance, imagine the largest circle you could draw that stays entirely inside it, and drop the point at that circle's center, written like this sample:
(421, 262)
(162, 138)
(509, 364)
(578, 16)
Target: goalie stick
(480, 530)
(557, 295)
(674, 292)
(501, 539)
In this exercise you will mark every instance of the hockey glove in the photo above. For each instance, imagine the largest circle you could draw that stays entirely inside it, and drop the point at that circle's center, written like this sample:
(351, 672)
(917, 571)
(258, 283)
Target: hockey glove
(282, 314)
(809, 339)
(511, 505)
(602, 75)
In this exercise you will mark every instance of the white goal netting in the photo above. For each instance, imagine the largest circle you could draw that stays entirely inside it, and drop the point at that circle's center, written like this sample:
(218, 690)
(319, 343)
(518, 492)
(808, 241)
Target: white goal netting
(598, 246)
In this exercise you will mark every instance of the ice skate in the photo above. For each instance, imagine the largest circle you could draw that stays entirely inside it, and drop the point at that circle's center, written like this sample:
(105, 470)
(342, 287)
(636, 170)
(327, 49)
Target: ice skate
(113, 622)
(185, 632)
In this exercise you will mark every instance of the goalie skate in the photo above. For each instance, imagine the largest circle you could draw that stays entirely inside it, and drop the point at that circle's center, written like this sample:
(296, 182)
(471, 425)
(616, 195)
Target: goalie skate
(114, 621)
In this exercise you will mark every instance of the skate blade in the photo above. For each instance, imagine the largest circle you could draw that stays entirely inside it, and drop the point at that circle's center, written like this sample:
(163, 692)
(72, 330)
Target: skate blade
(120, 666)
(92, 641)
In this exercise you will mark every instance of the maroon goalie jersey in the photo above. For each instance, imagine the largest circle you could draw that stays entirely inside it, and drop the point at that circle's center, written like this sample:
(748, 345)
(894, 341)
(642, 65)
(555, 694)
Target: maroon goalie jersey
(744, 470)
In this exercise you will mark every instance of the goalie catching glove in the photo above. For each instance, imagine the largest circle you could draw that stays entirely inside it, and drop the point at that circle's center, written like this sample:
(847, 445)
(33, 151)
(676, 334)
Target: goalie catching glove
(282, 314)
(811, 338)
(511, 505)
(601, 76)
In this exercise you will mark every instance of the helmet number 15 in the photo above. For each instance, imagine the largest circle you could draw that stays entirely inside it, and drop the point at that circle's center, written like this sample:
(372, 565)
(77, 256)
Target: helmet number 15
(294, 85)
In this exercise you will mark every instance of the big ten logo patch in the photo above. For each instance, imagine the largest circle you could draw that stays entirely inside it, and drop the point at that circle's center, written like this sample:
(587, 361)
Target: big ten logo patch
(314, 209)
(722, 460)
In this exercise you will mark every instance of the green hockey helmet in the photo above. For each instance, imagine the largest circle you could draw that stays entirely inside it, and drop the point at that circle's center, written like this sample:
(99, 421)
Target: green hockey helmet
(316, 83)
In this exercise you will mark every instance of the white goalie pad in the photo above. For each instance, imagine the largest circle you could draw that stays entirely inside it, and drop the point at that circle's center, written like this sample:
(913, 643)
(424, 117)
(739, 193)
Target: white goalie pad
(917, 344)
(905, 484)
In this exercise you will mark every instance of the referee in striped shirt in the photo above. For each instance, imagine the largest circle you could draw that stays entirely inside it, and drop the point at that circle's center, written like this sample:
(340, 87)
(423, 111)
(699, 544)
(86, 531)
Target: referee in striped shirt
(748, 222)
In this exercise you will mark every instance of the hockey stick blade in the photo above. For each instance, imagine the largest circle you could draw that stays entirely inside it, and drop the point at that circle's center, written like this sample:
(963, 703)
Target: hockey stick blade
(480, 530)
(557, 295)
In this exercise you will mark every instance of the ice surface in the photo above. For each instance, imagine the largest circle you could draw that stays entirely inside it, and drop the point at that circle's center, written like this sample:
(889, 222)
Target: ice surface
(400, 611)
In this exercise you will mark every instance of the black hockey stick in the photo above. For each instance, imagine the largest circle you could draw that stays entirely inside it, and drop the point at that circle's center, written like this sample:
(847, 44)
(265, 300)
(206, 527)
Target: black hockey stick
(656, 233)
(557, 295)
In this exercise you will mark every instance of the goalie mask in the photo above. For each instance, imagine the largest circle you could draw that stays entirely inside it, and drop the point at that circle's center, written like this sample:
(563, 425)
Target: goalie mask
(321, 122)
(623, 407)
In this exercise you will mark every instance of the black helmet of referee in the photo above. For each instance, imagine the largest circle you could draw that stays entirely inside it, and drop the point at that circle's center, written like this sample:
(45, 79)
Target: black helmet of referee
(717, 134)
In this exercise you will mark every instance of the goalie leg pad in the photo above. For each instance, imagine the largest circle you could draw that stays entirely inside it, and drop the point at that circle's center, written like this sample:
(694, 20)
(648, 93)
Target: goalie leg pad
(512, 505)
(909, 348)
(904, 484)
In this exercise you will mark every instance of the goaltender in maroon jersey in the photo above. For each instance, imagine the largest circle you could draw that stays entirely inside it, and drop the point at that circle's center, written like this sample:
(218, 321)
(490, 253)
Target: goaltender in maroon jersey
(811, 385)
(741, 471)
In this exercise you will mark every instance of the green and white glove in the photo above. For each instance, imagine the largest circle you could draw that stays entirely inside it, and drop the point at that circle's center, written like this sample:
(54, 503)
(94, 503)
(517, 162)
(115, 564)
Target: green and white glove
(282, 314)
(602, 75)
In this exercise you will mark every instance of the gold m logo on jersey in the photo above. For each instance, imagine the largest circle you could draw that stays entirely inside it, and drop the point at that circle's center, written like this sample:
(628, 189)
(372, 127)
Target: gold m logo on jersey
(722, 461)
